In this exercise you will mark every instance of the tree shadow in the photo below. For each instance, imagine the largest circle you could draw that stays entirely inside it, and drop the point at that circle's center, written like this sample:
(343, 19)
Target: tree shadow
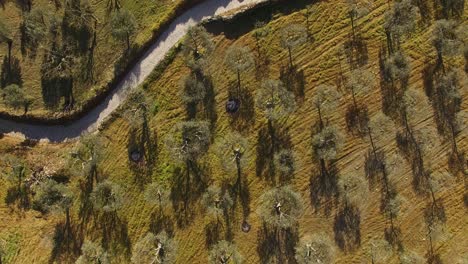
(11, 72)
(114, 233)
(324, 188)
(18, 196)
(262, 66)
(142, 153)
(125, 59)
(457, 163)
(209, 102)
(357, 119)
(424, 11)
(347, 228)
(356, 51)
(212, 233)
(187, 187)
(294, 80)
(373, 165)
(66, 247)
(276, 245)
(264, 157)
(160, 221)
(245, 116)
(412, 152)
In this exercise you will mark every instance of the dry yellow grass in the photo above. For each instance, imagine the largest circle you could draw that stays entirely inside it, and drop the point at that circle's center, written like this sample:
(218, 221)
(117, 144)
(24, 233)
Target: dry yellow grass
(319, 61)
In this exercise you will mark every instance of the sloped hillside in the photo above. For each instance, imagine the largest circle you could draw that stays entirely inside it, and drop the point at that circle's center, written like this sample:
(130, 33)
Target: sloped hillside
(356, 236)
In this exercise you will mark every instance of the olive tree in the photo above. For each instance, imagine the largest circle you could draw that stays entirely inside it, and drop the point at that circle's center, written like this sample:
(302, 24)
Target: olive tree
(53, 197)
(188, 141)
(448, 38)
(196, 47)
(107, 197)
(356, 10)
(293, 36)
(317, 248)
(152, 248)
(261, 31)
(275, 100)
(411, 257)
(396, 67)
(359, 82)
(280, 207)
(379, 250)
(224, 252)
(285, 162)
(15, 172)
(327, 143)
(232, 150)
(325, 98)
(123, 25)
(33, 30)
(14, 97)
(399, 21)
(86, 156)
(239, 59)
(216, 201)
(447, 103)
(92, 253)
(157, 194)
(137, 105)
(192, 89)
(354, 190)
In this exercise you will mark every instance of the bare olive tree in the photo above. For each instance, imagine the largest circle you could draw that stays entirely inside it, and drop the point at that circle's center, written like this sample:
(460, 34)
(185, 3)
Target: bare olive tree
(224, 252)
(196, 47)
(280, 207)
(217, 202)
(239, 59)
(317, 248)
(448, 38)
(293, 36)
(91, 253)
(107, 197)
(152, 248)
(399, 21)
(232, 150)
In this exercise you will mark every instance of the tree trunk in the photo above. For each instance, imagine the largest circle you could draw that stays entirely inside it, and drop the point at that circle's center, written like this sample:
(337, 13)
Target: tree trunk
(67, 224)
(128, 42)
(238, 84)
(320, 117)
(354, 99)
(10, 44)
(271, 131)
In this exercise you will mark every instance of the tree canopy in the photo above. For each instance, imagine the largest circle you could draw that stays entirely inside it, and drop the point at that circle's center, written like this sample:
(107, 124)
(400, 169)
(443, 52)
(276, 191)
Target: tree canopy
(188, 140)
(52, 197)
(275, 100)
(92, 253)
(317, 248)
(280, 207)
(152, 248)
(123, 25)
(107, 196)
(224, 252)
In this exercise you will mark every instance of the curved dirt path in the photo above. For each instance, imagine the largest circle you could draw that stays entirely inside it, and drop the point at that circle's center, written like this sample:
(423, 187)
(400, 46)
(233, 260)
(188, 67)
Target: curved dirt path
(91, 121)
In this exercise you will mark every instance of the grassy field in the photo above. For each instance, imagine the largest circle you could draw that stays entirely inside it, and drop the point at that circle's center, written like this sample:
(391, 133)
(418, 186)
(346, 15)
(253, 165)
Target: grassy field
(150, 15)
(321, 64)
